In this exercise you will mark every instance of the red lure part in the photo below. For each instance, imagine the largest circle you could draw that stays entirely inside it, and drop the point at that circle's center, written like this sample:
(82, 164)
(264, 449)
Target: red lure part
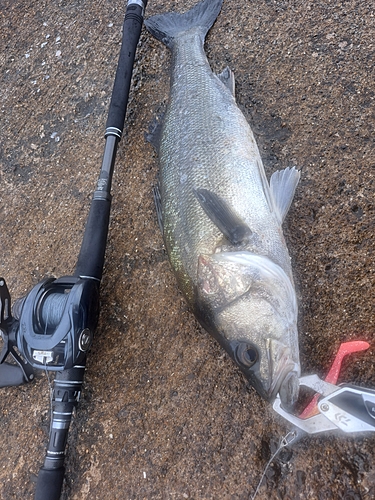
(333, 374)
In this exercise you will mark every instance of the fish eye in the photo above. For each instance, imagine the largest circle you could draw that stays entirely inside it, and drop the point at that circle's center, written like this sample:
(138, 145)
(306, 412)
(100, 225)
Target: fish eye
(246, 354)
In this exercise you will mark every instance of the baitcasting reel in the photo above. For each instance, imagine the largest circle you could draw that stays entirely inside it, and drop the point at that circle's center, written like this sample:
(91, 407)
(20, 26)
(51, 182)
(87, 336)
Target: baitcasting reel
(51, 327)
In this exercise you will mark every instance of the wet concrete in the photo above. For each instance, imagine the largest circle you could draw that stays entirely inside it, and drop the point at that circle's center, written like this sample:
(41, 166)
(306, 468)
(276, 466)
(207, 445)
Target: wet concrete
(164, 413)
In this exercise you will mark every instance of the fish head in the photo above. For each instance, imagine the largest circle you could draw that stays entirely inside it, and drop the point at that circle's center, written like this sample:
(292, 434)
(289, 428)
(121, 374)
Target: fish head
(250, 307)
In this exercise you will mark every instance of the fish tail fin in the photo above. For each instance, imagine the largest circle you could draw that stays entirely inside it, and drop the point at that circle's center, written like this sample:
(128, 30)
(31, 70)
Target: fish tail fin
(166, 27)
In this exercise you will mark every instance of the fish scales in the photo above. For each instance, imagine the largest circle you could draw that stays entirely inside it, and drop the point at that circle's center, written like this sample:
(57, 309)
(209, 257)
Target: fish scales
(211, 177)
(207, 143)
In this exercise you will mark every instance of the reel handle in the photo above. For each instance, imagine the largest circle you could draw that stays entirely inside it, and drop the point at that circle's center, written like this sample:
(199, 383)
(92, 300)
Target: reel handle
(11, 375)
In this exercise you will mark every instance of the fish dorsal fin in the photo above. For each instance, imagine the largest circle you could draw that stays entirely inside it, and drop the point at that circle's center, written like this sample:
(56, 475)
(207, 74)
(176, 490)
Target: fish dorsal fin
(227, 77)
(223, 216)
(283, 184)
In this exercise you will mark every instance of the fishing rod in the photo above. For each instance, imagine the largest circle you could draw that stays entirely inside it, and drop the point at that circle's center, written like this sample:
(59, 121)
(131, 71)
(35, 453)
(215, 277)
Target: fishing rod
(52, 327)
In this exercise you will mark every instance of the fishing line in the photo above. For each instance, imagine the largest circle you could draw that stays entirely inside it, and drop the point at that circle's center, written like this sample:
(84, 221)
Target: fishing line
(50, 388)
(284, 441)
(53, 309)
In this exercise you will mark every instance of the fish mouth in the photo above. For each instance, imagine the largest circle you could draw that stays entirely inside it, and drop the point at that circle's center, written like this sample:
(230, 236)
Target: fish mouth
(284, 374)
(289, 390)
(274, 374)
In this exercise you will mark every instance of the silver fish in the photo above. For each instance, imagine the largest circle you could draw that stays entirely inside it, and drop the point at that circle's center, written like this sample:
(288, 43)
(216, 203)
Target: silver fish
(220, 217)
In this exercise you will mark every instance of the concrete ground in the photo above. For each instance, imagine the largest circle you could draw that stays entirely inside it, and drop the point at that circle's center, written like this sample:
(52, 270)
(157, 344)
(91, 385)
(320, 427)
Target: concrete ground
(164, 413)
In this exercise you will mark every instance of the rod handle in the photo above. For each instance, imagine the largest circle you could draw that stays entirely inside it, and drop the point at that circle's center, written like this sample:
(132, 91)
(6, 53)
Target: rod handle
(91, 256)
(130, 37)
(49, 484)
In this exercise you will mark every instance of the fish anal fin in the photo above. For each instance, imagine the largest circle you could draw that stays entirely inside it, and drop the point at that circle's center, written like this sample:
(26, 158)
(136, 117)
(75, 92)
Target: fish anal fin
(283, 184)
(223, 216)
(153, 136)
(227, 77)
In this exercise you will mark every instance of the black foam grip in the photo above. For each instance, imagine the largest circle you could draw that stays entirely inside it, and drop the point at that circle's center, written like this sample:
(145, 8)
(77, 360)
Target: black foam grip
(131, 32)
(91, 256)
(49, 484)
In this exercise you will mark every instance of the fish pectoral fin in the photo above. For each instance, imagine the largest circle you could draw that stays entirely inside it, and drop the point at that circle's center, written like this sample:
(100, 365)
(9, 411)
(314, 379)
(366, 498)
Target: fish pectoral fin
(157, 201)
(227, 77)
(283, 184)
(223, 216)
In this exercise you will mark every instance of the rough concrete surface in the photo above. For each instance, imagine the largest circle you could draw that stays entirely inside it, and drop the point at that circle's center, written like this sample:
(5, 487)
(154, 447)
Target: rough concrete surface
(164, 413)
